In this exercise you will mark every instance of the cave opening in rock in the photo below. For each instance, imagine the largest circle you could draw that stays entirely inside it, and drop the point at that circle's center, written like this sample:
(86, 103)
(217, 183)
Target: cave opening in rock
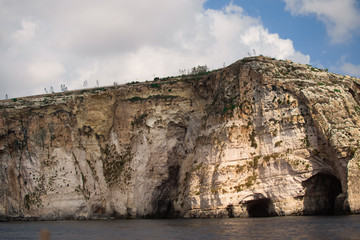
(260, 208)
(321, 191)
(165, 194)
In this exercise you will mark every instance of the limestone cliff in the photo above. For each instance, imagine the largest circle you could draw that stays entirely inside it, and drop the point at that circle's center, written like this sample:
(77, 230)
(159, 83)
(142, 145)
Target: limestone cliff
(260, 137)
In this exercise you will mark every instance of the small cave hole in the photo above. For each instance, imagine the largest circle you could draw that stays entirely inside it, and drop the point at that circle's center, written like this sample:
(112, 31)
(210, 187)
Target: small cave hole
(230, 210)
(260, 208)
(99, 210)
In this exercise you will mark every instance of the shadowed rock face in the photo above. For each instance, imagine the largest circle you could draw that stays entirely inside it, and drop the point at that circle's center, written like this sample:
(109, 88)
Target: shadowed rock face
(258, 138)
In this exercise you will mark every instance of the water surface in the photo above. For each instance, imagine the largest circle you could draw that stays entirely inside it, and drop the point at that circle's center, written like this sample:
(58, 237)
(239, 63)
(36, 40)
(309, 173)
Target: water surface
(312, 227)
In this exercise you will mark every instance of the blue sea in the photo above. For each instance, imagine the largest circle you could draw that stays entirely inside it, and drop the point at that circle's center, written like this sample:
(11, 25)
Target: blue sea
(299, 227)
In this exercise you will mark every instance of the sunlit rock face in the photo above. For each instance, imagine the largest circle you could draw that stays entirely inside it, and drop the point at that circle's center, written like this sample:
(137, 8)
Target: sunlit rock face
(260, 137)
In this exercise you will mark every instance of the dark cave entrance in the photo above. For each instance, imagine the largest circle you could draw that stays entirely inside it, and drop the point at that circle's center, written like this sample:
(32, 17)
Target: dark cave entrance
(164, 196)
(260, 208)
(321, 191)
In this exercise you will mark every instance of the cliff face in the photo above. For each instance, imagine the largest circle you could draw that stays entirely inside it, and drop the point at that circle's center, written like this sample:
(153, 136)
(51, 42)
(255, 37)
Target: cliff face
(260, 137)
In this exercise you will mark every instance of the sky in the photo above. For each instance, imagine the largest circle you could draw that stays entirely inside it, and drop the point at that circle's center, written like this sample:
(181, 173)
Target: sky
(45, 43)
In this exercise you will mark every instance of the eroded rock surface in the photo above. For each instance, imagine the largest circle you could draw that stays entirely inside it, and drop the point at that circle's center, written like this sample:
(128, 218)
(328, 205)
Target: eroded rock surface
(258, 138)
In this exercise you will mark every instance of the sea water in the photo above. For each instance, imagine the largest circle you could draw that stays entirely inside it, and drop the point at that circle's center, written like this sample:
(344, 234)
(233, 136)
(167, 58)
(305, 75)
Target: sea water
(300, 227)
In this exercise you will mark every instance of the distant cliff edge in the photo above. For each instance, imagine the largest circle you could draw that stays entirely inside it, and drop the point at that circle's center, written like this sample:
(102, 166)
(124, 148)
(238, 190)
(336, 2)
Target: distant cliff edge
(260, 137)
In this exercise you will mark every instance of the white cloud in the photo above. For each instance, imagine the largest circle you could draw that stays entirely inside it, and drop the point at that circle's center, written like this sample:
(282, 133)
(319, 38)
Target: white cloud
(72, 41)
(42, 71)
(347, 68)
(341, 17)
(351, 69)
(262, 42)
(26, 33)
(344, 67)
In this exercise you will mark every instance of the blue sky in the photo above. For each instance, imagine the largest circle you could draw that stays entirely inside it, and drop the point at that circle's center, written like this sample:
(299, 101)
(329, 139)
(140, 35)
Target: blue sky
(44, 44)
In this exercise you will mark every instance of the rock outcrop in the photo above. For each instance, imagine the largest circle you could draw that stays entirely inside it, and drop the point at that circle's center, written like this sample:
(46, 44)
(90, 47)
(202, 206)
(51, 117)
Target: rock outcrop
(258, 138)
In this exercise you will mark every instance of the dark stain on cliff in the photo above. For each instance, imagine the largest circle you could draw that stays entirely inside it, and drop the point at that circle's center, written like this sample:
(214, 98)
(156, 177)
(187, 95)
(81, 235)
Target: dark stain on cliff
(166, 193)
